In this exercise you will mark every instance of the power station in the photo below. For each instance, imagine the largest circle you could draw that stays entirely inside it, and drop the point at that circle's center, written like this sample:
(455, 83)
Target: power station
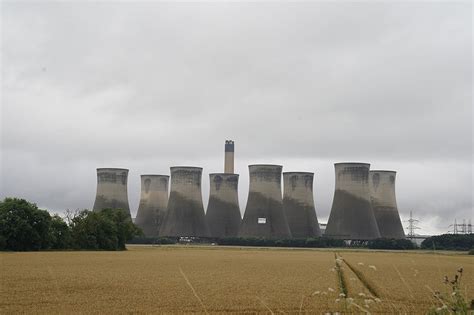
(264, 215)
(223, 211)
(298, 204)
(185, 212)
(153, 202)
(364, 205)
(112, 189)
(384, 204)
(352, 216)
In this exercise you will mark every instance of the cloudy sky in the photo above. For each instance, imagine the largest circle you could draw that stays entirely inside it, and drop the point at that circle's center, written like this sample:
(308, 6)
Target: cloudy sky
(150, 85)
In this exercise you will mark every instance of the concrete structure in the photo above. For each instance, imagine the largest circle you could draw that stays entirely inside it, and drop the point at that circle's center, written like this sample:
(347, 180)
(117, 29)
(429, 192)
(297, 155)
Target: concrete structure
(264, 215)
(384, 204)
(185, 213)
(112, 189)
(352, 217)
(223, 212)
(298, 204)
(153, 202)
(229, 157)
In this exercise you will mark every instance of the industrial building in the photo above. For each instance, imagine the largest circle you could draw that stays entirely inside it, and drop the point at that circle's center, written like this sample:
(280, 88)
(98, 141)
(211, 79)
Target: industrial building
(153, 202)
(112, 189)
(298, 204)
(384, 204)
(352, 216)
(223, 211)
(264, 215)
(185, 212)
(364, 205)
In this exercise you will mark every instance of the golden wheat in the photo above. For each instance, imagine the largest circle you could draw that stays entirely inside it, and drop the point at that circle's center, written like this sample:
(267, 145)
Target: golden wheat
(222, 279)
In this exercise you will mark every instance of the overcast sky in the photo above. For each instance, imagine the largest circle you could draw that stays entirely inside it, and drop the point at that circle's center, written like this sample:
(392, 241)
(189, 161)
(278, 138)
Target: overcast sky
(149, 85)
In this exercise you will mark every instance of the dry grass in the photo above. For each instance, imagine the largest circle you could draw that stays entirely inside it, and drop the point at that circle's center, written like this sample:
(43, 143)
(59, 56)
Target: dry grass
(217, 279)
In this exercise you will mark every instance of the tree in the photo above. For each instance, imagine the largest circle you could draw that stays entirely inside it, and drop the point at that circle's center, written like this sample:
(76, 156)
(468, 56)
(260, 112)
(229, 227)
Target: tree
(23, 226)
(59, 233)
(108, 229)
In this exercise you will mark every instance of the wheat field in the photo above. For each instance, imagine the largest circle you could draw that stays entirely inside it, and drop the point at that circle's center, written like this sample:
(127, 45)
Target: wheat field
(209, 279)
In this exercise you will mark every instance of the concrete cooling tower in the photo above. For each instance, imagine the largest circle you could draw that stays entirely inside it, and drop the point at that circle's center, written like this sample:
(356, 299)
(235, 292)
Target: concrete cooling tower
(153, 203)
(352, 217)
(185, 213)
(223, 212)
(264, 215)
(298, 204)
(384, 203)
(112, 189)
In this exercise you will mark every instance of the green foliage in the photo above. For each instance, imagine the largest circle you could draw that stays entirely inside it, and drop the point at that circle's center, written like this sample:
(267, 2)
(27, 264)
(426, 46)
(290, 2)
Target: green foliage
(452, 301)
(108, 229)
(319, 242)
(449, 242)
(23, 227)
(390, 243)
(59, 233)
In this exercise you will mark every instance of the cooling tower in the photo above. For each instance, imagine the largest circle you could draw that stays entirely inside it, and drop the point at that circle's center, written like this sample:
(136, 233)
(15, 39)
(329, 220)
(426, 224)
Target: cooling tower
(352, 217)
(185, 212)
(298, 204)
(229, 157)
(153, 203)
(264, 216)
(384, 203)
(223, 212)
(112, 189)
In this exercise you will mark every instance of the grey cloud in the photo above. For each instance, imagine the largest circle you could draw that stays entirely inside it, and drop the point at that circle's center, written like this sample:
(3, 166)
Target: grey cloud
(149, 85)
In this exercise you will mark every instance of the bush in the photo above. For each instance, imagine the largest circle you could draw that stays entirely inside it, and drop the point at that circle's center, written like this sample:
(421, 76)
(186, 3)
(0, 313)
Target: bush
(471, 252)
(449, 242)
(106, 230)
(391, 243)
(23, 227)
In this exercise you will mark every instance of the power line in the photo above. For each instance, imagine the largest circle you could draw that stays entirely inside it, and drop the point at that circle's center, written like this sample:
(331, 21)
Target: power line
(460, 228)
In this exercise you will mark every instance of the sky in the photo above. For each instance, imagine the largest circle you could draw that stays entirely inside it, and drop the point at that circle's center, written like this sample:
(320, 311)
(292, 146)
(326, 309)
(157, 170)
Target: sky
(149, 85)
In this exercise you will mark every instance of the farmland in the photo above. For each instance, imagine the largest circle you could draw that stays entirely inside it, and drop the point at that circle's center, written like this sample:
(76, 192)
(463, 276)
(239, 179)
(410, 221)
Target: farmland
(225, 279)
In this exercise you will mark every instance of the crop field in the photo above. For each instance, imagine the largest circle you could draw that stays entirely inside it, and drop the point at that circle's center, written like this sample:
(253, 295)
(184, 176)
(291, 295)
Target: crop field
(202, 279)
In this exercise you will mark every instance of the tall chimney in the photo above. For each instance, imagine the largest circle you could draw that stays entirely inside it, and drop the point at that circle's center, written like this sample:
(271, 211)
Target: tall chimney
(229, 157)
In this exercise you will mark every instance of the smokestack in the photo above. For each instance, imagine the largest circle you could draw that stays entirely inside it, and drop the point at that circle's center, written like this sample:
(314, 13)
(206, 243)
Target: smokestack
(298, 204)
(223, 212)
(112, 189)
(185, 213)
(384, 203)
(264, 215)
(352, 217)
(153, 203)
(229, 157)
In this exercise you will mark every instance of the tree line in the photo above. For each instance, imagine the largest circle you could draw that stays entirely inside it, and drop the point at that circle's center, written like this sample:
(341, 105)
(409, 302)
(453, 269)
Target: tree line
(25, 227)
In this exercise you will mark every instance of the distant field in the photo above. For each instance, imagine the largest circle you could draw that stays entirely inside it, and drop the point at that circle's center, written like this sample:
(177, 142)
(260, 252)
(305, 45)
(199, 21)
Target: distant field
(220, 279)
